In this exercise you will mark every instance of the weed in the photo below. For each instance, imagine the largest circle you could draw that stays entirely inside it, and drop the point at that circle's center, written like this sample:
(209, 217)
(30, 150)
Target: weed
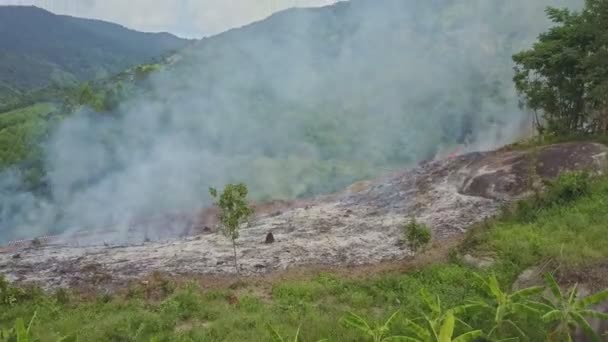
(417, 235)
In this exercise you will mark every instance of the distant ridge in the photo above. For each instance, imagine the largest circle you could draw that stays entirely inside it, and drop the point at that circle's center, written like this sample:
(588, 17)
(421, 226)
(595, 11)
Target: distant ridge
(39, 48)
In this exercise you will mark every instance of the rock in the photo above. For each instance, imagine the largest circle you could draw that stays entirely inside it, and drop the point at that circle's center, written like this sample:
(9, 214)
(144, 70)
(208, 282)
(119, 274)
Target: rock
(532, 276)
(269, 238)
(481, 262)
(17, 256)
(510, 175)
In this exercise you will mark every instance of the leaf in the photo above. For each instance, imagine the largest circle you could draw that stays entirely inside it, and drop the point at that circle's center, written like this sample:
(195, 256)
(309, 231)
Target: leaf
(29, 326)
(573, 293)
(297, 338)
(553, 286)
(276, 337)
(466, 307)
(20, 331)
(495, 287)
(594, 299)
(539, 307)
(447, 329)
(582, 322)
(465, 324)
(552, 316)
(595, 314)
(418, 330)
(401, 339)
(356, 322)
(388, 322)
(429, 300)
(499, 314)
(519, 331)
(527, 292)
(468, 337)
(525, 307)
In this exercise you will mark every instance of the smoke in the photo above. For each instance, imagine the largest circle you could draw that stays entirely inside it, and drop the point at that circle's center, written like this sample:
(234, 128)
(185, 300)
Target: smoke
(303, 103)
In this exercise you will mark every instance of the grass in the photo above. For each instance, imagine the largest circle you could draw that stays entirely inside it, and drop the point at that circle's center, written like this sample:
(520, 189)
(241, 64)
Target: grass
(567, 235)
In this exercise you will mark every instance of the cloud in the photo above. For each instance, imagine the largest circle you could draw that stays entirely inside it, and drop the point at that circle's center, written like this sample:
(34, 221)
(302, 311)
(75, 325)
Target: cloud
(191, 18)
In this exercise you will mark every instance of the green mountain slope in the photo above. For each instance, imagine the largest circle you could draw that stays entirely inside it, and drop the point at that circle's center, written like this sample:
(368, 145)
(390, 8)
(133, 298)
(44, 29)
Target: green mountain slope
(39, 48)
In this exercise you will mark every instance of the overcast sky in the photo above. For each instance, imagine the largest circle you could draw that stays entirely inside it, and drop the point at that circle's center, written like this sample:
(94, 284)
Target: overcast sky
(190, 18)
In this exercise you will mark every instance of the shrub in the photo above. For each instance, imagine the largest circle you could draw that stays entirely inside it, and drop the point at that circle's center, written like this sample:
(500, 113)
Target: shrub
(568, 187)
(9, 295)
(564, 189)
(417, 235)
(234, 211)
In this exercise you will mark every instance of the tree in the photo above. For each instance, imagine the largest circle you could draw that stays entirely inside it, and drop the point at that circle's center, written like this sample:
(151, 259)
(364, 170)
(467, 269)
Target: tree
(566, 311)
(565, 75)
(417, 235)
(234, 211)
(506, 306)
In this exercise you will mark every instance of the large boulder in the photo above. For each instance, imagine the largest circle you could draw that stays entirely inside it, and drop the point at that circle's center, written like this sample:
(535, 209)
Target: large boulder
(506, 175)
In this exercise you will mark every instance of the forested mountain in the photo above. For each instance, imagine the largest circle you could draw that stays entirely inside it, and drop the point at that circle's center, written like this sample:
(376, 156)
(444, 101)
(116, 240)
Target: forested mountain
(39, 48)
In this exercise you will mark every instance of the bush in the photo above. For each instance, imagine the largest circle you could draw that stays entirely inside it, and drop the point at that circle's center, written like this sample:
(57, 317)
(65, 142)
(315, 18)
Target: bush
(9, 295)
(568, 187)
(417, 235)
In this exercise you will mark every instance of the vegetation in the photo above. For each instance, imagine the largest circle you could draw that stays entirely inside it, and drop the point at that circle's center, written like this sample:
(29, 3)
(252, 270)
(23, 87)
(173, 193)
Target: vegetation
(567, 311)
(563, 229)
(563, 190)
(234, 211)
(19, 333)
(65, 50)
(567, 237)
(565, 75)
(417, 235)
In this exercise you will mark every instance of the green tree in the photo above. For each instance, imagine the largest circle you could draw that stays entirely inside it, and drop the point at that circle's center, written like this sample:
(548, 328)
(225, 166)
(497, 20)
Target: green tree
(506, 307)
(566, 311)
(565, 75)
(234, 211)
(417, 235)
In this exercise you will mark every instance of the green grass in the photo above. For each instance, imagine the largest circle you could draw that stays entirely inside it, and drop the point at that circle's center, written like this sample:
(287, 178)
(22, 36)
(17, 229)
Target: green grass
(567, 234)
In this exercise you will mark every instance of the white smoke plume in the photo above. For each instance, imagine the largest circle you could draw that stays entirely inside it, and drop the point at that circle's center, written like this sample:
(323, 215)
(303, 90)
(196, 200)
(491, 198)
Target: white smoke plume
(300, 104)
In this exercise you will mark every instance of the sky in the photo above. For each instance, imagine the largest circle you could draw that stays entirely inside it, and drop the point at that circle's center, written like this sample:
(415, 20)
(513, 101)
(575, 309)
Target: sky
(186, 18)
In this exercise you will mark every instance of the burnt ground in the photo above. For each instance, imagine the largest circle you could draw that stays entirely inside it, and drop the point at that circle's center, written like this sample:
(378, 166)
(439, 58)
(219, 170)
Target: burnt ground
(350, 230)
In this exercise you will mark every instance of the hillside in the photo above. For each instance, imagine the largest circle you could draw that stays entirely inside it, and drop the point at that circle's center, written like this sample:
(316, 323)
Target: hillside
(170, 290)
(302, 103)
(364, 188)
(39, 48)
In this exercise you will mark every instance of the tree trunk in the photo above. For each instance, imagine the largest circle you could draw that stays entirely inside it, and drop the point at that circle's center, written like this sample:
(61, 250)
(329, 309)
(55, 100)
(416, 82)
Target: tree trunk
(236, 265)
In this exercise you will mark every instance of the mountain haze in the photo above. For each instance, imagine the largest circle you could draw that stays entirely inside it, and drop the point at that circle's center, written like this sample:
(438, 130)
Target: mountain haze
(39, 48)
